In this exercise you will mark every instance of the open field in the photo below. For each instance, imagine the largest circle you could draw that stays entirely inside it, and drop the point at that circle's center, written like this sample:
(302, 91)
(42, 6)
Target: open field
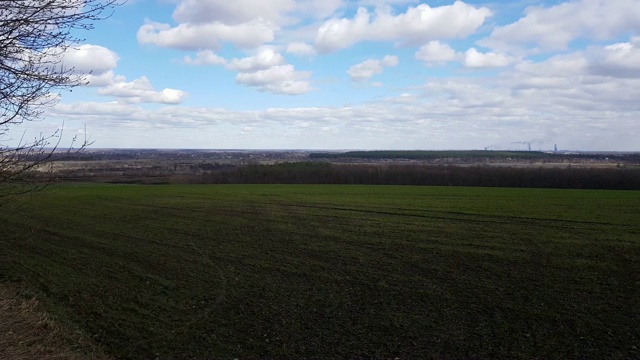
(296, 271)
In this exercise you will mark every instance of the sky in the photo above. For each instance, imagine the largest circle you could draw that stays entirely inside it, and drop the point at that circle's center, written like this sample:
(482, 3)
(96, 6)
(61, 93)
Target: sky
(357, 74)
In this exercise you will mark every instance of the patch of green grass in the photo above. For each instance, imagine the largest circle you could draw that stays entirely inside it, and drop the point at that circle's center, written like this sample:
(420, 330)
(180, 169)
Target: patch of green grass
(339, 271)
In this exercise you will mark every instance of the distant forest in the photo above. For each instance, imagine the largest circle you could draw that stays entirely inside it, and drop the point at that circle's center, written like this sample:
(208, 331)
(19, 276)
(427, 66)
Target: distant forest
(397, 174)
(472, 155)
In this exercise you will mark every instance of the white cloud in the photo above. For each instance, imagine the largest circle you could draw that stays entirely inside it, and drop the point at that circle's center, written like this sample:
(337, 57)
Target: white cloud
(301, 49)
(141, 90)
(206, 36)
(385, 3)
(104, 79)
(368, 68)
(565, 65)
(575, 83)
(435, 52)
(99, 63)
(584, 97)
(232, 12)
(264, 59)
(319, 9)
(280, 79)
(553, 28)
(619, 60)
(92, 64)
(100, 109)
(365, 70)
(557, 101)
(416, 26)
(266, 70)
(247, 24)
(390, 60)
(279, 12)
(206, 57)
(89, 58)
(475, 59)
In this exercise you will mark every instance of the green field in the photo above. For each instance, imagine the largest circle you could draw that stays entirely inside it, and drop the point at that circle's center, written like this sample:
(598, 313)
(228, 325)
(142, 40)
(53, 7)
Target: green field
(304, 271)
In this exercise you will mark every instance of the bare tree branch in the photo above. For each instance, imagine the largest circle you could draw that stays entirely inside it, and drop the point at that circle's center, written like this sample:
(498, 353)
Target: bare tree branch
(34, 37)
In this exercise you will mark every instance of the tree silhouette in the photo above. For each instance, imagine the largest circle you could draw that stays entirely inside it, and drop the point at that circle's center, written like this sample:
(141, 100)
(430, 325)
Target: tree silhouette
(34, 37)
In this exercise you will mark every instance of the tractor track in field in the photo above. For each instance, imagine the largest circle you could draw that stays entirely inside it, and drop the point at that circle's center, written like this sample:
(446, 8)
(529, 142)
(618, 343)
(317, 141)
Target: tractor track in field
(460, 216)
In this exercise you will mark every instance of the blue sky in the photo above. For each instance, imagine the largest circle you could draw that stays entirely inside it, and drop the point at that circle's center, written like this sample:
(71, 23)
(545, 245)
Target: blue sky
(358, 74)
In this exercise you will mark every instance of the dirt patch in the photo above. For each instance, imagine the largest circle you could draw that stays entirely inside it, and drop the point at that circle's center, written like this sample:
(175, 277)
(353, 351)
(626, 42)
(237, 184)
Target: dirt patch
(28, 332)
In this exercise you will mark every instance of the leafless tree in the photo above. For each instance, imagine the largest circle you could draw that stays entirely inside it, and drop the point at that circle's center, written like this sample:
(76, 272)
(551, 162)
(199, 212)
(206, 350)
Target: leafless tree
(34, 37)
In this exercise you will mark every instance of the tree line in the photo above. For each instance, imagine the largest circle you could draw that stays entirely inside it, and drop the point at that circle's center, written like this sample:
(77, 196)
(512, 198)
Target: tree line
(473, 155)
(434, 175)
(432, 154)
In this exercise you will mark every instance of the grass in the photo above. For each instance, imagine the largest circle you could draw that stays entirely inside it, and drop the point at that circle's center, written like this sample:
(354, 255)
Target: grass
(27, 332)
(334, 271)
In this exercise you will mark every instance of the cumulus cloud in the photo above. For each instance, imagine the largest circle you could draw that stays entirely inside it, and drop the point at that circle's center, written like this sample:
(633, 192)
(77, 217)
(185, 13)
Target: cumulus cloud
(232, 12)
(99, 63)
(300, 49)
(368, 68)
(281, 79)
(319, 9)
(264, 59)
(104, 79)
(266, 70)
(553, 28)
(189, 36)
(417, 25)
(564, 65)
(620, 60)
(435, 52)
(206, 57)
(475, 59)
(88, 58)
(278, 12)
(94, 64)
(576, 82)
(247, 24)
(141, 90)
